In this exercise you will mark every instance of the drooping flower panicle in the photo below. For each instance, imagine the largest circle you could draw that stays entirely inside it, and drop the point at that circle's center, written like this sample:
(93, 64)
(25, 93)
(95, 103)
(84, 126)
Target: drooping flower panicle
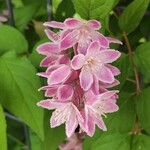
(77, 87)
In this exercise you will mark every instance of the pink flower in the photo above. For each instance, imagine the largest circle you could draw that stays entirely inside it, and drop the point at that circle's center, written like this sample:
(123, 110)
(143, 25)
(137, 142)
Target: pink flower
(82, 33)
(79, 32)
(95, 107)
(94, 64)
(65, 112)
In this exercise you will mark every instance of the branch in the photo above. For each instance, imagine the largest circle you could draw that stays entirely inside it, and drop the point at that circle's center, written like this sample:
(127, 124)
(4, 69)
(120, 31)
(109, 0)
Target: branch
(138, 90)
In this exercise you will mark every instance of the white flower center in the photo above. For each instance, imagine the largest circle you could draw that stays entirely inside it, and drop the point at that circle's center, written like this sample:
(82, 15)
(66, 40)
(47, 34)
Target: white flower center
(90, 61)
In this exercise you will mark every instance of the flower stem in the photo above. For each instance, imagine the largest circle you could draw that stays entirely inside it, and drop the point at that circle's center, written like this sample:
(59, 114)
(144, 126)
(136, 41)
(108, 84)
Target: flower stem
(136, 128)
(138, 90)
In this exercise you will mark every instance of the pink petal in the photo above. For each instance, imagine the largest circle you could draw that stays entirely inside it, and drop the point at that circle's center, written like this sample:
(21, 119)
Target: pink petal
(113, 40)
(57, 118)
(102, 89)
(82, 48)
(51, 68)
(101, 38)
(49, 104)
(72, 23)
(107, 95)
(86, 79)
(65, 92)
(90, 125)
(54, 24)
(45, 104)
(49, 60)
(43, 88)
(93, 49)
(105, 75)
(90, 97)
(94, 24)
(74, 75)
(78, 114)
(69, 40)
(115, 71)
(51, 35)
(83, 124)
(64, 59)
(59, 75)
(64, 33)
(95, 85)
(109, 56)
(100, 123)
(51, 91)
(78, 61)
(108, 85)
(71, 125)
(61, 114)
(110, 107)
(48, 48)
(43, 74)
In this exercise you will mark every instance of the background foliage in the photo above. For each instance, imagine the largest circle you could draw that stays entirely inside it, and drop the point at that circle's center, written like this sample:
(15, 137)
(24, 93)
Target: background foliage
(23, 125)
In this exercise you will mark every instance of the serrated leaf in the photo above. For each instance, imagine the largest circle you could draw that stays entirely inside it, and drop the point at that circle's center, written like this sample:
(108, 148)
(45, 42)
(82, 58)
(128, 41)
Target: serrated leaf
(94, 9)
(19, 93)
(3, 137)
(113, 141)
(12, 39)
(132, 15)
(142, 60)
(141, 142)
(143, 109)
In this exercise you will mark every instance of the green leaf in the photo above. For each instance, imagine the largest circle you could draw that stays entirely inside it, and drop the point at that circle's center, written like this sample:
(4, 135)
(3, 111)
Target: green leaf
(132, 15)
(3, 138)
(141, 142)
(15, 134)
(53, 136)
(142, 60)
(143, 109)
(62, 13)
(107, 141)
(25, 14)
(94, 9)
(12, 39)
(144, 26)
(36, 143)
(19, 92)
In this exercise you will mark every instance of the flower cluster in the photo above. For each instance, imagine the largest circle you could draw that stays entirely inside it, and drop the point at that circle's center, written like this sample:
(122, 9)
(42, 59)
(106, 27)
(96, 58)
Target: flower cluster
(78, 75)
